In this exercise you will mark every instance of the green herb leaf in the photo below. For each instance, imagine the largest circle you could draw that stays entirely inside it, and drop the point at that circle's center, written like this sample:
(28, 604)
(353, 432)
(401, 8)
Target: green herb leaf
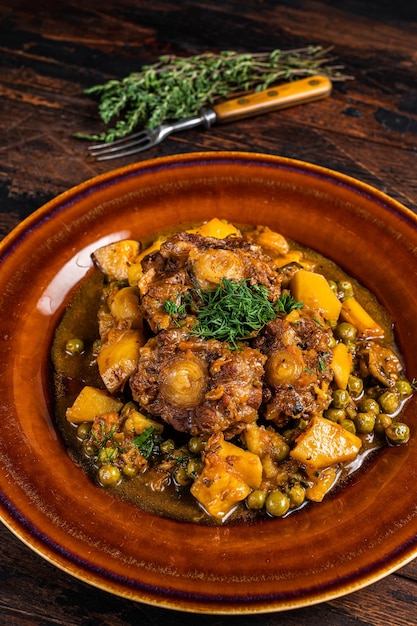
(286, 303)
(178, 87)
(235, 310)
(148, 442)
(177, 308)
(322, 365)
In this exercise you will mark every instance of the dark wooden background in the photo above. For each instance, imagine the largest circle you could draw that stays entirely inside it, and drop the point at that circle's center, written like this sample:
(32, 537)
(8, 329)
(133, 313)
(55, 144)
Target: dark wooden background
(51, 51)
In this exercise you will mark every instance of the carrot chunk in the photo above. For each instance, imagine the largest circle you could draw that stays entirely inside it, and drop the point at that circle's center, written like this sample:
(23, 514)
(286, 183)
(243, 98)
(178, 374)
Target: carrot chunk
(354, 313)
(341, 364)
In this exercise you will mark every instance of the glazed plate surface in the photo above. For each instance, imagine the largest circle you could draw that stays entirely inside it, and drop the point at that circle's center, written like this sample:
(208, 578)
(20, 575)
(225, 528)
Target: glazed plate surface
(353, 538)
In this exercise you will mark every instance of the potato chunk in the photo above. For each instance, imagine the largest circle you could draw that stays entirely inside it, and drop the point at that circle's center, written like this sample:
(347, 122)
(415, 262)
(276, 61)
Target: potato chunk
(90, 403)
(136, 422)
(115, 258)
(118, 357)
(322, 481)
(229, 475)
(314, 291)
(220, 229)
(325, 443)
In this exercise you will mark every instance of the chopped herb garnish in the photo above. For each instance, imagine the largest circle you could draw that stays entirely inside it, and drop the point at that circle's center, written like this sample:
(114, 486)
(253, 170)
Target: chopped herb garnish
(177, 308)
(321, 365)
(148, 442)
(286, 303)
(106, 436)
(235, 310)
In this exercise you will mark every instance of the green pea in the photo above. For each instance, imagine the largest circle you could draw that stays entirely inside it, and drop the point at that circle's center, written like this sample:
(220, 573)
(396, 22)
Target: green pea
(355, 386)
(302, 424)
(332, 342)
(297, 495)
(256, 499)
(345, 331)
(351, 412)
(74, 346)
(382, 421)
(403, 388)
(351, 346)
(197, 444)
(281, 450)
(83, 430)
(129, 471)
(167, 446)
(89, 448)
(108, 475)
(345, 288)
(341, 398)
(335, 415)
(365, 423)
(194, 468)
(181, 477)
(389, 402)
(349, 425)
(277, 503)
(398, 433)
(369, 405)
(333, 286)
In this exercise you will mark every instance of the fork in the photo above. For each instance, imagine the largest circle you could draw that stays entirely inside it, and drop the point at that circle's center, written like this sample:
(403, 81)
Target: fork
(279, 97)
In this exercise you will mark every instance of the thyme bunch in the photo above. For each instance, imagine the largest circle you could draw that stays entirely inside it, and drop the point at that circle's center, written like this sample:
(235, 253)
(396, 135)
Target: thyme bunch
(178, 87)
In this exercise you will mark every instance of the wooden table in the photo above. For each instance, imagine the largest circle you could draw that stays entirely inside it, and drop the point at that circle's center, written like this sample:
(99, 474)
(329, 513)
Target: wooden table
(367, 129)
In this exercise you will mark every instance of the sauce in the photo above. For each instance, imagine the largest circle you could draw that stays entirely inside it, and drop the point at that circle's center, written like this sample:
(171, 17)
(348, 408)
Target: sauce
(73, 372)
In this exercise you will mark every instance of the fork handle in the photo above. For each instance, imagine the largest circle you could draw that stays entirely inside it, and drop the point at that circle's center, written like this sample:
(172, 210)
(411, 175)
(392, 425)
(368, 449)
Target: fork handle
(279, 97)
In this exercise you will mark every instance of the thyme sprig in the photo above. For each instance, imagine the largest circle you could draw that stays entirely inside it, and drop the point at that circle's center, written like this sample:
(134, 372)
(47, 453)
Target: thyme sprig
(178, 87)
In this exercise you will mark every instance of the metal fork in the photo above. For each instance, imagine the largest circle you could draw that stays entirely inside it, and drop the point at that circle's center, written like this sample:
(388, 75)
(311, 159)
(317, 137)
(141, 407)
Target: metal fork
(285, 95)
(148, 138)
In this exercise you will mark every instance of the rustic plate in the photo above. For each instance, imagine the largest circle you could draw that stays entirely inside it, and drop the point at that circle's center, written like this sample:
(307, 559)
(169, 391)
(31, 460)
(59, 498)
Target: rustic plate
(355, 537)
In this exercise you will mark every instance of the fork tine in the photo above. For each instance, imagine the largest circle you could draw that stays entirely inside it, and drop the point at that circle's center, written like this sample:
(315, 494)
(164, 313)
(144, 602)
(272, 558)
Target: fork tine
(122, 153)
(119, 145)
(118, 141)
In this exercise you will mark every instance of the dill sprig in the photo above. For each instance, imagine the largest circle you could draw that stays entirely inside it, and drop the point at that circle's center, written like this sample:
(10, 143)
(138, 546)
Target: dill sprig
(178, 87)
(233, 311)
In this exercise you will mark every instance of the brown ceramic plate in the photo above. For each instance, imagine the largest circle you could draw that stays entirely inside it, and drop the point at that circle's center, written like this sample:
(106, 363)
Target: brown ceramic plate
(353, 538)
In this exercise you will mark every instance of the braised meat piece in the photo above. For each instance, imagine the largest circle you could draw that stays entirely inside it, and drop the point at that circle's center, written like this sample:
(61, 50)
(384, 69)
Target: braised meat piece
(188, 261)
(198, 386)
(379, 362)
(298, 370)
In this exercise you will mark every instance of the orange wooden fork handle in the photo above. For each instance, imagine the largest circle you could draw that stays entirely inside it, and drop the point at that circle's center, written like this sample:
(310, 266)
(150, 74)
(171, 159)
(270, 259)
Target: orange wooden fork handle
(279, 97)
